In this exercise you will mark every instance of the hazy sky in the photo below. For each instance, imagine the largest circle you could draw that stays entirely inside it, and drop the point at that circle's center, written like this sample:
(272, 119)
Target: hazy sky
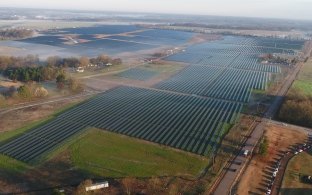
(297, 9)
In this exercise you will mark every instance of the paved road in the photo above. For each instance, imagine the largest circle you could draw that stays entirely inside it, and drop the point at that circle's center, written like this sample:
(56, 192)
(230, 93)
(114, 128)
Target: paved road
(237, 166)
(239, 162)
(291, 126)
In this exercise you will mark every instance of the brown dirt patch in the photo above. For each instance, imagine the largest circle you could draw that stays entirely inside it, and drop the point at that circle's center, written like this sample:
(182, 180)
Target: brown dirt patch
(8, 84)
(280, 139)
(5, 50)
(17, 119)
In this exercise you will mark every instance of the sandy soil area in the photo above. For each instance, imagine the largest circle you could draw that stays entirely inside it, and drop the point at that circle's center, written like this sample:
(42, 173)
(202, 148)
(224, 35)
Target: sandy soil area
(7, 51)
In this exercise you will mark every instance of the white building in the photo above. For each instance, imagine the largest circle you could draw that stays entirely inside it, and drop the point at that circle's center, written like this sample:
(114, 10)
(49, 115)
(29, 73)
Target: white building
(97, 186)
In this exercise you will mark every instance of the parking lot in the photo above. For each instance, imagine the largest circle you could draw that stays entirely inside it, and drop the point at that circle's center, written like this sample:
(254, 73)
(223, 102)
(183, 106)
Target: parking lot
(264, 173)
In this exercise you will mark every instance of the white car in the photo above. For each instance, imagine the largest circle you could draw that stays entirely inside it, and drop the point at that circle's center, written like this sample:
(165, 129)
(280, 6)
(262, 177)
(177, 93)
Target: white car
(274, 173)
(268, 192)
(296, 153)
(246, 152)
(300, 150)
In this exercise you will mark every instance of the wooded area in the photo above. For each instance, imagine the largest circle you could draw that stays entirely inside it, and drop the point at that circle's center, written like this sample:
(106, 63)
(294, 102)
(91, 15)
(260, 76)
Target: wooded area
(297, 108)
(15, 34)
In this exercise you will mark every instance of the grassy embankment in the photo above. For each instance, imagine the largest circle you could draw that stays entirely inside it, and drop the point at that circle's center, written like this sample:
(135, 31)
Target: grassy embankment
(112, 155)
(297, 166)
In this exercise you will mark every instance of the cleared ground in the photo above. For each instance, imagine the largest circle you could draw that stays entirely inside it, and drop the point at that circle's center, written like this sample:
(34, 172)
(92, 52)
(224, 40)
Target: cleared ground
(111, 155)
(25, 118)
(298, 165)
(306, 71)
(108, 80)
(280, 139)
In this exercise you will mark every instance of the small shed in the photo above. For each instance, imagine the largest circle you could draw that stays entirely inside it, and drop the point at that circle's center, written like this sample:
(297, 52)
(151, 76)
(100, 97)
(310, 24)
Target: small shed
(80, 69)
(97, 186)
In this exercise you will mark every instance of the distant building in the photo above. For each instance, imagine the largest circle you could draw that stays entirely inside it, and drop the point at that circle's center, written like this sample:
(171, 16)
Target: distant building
(80, 69)
(97, 186)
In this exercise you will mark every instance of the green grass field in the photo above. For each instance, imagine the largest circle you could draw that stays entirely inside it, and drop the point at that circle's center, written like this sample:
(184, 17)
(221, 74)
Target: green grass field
(304, 80)
(306, 72)
(299, 165)
(11, 165)
(304, 86)
(162, 68)
(107, 154)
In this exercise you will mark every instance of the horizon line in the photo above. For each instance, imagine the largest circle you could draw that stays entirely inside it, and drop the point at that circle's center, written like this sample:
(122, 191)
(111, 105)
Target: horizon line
(159, 13)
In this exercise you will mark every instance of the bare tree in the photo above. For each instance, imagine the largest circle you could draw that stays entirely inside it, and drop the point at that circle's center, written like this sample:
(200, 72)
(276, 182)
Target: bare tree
(81, 189)
(128, 184)
(84, 61)
(154, 185)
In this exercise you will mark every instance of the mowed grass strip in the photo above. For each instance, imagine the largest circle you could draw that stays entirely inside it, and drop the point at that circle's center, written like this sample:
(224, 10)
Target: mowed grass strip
(10, 165)
(297, 166)
(304, 80)
(304, 86)
(113, 155)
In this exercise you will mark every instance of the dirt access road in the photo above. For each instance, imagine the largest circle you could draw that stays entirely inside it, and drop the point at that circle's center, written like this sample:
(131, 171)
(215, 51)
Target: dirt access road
(49, 101)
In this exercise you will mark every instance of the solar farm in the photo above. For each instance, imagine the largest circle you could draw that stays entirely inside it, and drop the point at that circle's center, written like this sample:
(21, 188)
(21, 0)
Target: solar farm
(189, 123)
(191, 111)
(109, 39)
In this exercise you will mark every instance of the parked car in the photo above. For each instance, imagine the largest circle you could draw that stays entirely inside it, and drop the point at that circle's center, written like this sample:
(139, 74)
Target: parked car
(246, 152)
(307, 179)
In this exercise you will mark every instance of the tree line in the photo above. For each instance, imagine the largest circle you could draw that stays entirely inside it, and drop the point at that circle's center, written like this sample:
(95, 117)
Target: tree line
(30, 68)
(297, 108)
(74, 62)
(12, 61)
(15, 33)
(26, 74)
